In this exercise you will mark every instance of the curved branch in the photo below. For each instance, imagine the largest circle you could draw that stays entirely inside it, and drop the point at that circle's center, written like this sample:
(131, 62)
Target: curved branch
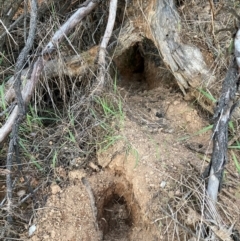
(104, 43)
(86, 8)
(185, 61)
(41, 61)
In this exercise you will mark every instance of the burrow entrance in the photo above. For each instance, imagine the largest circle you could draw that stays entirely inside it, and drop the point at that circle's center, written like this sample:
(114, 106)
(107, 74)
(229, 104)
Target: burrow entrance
(141, 65)
(118, 211)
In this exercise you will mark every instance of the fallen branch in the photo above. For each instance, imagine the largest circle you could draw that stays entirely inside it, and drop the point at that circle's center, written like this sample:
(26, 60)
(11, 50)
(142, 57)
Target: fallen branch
(70, 66)
(83, 11)
(13, 144)
(220, 131)
(222, 116)
(75, 65)
(104, 43)
(41, 61)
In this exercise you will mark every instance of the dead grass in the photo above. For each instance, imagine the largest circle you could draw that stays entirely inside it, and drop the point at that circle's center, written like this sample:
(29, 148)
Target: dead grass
(211, 29)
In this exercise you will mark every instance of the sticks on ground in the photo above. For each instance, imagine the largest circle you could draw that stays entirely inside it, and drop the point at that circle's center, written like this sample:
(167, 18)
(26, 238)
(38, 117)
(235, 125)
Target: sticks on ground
(92, 201)
(13, 145)
(24, 97)
(45, 56)
(104, 43)
(222, 116)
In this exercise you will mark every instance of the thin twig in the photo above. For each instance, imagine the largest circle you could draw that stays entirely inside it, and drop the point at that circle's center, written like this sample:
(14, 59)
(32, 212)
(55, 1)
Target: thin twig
(7, 32)
(83, 11)
(8, 109)
(104, 43)
(39, 64)
(212, 19)
(92, 201)
(181, 225)
(13, 144)
(29, 195)
(11, 27)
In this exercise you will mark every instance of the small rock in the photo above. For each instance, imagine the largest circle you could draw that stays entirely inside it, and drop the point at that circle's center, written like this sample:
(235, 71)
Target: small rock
(53, 234)
(32, 229)
(192, 239)
(21, 193)
(163, 184)
(188, 118)
(55, 189)
(178, 193)
(75, 162)
(171, 194)
(45, 237)
(93, 166)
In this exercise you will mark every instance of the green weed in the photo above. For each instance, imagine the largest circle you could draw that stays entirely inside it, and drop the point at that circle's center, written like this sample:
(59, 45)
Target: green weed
(111, 121)
(2, 91)
(231, 126)
(207, 94)
(110, 108)
(136, 155)
(237, 164)
(24, 146)
(71, 137)
(108, 141)
(33, 123)
(203, 130)
(134, 152)
(54, 160)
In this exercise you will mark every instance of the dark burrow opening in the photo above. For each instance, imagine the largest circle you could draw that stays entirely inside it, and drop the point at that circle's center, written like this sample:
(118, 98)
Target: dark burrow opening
(117, 211)
(117, 218)
(141, 67)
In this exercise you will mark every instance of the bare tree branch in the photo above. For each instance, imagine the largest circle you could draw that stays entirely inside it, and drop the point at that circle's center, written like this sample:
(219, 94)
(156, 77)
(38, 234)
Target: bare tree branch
(23, 55)
(83, 11)
(104, 43)
(13, 145)
(41, 61)
(222, 116)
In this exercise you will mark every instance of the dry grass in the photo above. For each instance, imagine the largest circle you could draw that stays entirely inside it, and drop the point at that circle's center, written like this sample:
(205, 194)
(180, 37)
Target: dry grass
(211, 28)
(182, 216)
(63, 125)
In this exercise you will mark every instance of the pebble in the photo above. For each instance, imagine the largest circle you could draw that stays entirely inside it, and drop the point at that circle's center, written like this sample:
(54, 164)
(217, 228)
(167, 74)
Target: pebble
(55, 189)
(163, 184)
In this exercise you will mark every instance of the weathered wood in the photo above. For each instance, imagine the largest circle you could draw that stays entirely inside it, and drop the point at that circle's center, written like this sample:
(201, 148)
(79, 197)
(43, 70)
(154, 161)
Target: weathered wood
(77, 65)
(103, 46)
(185, 61)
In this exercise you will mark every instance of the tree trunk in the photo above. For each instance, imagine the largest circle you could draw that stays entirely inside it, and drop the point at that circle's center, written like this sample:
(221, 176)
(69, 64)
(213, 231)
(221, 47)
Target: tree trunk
(160, 22)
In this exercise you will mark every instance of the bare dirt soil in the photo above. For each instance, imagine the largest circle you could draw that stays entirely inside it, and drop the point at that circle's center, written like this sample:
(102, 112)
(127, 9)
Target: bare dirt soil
(135, 178)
